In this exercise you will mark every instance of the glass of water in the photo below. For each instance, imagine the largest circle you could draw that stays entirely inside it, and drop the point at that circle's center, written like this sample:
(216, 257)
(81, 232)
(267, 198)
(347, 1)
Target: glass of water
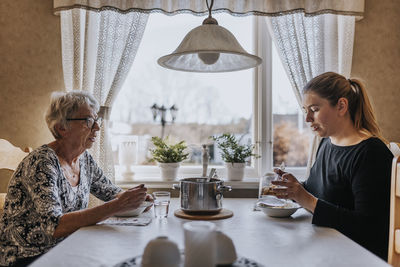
(161, 203)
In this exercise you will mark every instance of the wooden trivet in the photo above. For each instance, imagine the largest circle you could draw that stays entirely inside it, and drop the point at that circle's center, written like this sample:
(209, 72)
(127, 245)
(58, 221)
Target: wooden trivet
(223, 214)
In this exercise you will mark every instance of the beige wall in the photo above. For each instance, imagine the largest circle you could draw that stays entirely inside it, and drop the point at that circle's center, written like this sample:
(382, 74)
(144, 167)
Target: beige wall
(30, 52)
(30, 68)
(376, 59)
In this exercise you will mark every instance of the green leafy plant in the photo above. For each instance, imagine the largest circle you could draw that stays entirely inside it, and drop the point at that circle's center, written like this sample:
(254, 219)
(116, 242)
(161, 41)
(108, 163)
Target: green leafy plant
(231, 150)
(165, 153)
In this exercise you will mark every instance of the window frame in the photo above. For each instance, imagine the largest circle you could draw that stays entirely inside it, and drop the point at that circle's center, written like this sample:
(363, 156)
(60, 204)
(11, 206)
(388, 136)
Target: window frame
(263, 104)
(262, 125)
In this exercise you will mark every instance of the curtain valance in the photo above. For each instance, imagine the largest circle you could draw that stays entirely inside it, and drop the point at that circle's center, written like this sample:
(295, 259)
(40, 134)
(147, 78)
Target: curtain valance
(234, 7)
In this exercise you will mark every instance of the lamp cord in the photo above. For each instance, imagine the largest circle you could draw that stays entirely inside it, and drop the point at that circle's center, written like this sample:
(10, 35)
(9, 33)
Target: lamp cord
(209, 7)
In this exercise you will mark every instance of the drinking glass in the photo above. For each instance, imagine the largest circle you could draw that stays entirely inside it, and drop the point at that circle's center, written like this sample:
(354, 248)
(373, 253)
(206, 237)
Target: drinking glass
(266, 195)
(161, 203)
(265, 184)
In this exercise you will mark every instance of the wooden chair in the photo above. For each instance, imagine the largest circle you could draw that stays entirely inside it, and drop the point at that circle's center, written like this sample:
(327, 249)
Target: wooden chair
(394, 148)
(394, 226)
(10, 157)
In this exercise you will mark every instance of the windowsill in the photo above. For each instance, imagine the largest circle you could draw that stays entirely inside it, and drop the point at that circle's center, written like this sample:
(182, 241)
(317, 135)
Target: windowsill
(247, 183)
(150, 175)
(248, 188)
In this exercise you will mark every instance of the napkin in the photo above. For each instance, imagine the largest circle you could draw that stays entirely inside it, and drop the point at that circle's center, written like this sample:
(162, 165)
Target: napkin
(128, 221)
(269, 201)
(272, 201)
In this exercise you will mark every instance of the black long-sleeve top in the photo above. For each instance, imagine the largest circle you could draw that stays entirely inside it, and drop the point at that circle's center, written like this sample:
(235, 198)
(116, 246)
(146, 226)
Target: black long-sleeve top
(352, 184)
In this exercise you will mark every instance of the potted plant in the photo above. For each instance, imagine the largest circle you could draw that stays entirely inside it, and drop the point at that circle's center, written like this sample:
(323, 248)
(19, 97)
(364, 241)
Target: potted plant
(168, 156)
(234, 155)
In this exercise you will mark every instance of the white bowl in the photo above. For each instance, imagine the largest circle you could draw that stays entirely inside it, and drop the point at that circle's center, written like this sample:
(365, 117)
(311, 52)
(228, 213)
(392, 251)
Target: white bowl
(161, 252)
(279, 211)
(135, 212)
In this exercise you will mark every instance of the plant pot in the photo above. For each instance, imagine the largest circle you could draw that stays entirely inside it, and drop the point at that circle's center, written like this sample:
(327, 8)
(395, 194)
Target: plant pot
(235, 171)
(169, 171)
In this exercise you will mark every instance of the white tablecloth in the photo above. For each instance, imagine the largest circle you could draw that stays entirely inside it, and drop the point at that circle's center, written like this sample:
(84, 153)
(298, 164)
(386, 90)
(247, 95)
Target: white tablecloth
(290, 241)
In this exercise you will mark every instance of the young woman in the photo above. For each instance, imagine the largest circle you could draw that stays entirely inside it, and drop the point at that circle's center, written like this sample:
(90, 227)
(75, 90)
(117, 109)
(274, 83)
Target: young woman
(349, 184)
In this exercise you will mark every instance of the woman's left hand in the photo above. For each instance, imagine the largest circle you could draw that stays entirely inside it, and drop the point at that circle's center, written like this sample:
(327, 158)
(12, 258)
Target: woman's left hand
(292, 189)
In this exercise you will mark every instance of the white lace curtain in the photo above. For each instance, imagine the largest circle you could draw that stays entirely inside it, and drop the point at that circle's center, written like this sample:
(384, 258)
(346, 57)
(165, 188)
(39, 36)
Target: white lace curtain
(98, 49)
(235, 7)
(309, 46)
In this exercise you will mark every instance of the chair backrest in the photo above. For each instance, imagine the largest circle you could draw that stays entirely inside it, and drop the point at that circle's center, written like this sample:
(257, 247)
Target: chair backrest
(394, 227)
(394, 148)
(10, 157)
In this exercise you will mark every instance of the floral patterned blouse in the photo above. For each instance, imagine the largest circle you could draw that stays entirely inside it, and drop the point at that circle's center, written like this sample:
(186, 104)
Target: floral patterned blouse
(38, 195)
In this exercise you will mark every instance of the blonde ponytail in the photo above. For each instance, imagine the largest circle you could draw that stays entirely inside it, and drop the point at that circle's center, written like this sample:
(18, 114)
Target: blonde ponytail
(364, 117)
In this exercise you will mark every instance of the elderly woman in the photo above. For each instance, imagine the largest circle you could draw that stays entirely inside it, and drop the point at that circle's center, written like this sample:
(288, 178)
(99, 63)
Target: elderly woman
(48, 194)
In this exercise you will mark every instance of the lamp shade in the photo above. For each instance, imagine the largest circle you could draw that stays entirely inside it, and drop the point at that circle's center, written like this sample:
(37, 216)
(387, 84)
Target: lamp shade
(209, 48)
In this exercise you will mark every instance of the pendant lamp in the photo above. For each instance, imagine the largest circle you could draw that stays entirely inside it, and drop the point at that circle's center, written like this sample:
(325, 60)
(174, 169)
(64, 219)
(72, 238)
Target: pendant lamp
(209, 48)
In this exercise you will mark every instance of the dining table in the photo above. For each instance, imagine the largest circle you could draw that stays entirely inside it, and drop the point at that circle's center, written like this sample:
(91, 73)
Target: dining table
(268, 241)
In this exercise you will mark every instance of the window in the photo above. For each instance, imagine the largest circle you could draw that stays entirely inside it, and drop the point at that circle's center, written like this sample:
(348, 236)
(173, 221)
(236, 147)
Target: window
(288, 120)
(208, 103)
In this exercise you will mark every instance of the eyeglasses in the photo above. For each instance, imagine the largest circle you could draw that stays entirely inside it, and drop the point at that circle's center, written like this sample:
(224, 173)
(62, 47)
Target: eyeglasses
(89, 121)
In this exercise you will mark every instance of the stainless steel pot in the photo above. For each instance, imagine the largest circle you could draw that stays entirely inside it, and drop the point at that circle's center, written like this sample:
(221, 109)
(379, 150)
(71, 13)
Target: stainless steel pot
(201, 195)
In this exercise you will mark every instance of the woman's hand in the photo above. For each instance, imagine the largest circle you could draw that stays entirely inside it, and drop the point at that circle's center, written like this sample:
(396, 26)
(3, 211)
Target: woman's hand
(124, 201)
(148, 198)
(292, 189)
(131, 198)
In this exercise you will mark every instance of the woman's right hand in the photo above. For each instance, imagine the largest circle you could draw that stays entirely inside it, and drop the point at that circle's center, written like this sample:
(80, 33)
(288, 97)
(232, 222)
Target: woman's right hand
(131, 198)
(292, 189)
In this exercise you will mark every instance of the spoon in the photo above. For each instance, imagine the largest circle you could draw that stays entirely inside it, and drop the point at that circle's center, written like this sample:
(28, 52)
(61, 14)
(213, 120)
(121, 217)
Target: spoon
(212, 172)
(283, 166)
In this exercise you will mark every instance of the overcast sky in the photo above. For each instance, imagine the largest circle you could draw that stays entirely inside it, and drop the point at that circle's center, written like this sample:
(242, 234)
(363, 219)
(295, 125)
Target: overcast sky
(200, 97)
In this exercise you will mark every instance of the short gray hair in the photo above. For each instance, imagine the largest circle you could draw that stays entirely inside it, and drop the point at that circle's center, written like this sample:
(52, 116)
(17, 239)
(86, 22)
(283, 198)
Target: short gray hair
(63, 105)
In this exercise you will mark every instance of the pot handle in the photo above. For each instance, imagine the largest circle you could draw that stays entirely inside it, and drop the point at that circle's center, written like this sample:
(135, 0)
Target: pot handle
(224, 188)
(176, 187)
